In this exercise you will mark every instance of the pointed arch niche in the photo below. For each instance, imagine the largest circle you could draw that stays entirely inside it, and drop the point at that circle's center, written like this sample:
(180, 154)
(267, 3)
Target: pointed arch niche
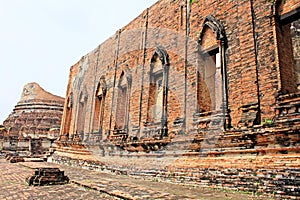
(212, 95)
(68, 114)
(81, 115)
(100, 96)
(123, 101)
(158, 91)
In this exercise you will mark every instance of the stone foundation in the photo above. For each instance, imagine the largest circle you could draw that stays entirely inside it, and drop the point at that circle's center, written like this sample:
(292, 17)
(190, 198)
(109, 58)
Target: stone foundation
(250, 173)
(260, 160)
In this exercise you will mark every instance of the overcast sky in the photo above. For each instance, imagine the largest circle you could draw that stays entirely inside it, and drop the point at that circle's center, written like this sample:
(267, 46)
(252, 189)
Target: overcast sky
(41, 39)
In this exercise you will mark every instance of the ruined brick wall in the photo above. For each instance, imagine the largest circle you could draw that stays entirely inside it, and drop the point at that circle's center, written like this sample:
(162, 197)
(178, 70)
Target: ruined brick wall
(228, 89)
(252, 64)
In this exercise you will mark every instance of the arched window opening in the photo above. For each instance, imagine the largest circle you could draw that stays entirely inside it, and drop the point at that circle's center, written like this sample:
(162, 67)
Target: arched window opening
(99, 106)
(158, 92)
(122, 114)
(212, 94)
(155, 103)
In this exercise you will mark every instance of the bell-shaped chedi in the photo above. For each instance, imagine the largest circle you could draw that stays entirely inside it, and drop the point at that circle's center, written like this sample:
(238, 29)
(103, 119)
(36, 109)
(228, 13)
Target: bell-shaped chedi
(37, 116)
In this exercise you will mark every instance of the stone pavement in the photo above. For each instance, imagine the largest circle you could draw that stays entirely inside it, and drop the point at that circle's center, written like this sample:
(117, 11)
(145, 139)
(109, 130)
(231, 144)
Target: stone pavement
(13, 186)
(86, 184)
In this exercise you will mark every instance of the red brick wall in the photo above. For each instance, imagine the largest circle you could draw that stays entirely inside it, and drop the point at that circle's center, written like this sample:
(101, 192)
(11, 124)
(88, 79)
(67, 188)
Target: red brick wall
(251, 63)
(256, 56)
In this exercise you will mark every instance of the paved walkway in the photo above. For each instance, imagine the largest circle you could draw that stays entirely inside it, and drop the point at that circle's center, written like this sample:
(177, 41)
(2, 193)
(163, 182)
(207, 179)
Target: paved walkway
(13, 186)
(86, 184)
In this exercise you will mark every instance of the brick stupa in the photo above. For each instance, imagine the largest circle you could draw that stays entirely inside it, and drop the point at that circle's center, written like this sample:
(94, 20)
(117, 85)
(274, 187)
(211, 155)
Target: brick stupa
(36, 117)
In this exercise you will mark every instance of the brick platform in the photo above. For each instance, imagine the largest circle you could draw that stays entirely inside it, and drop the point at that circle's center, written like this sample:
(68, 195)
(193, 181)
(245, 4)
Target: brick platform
(47, 176)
